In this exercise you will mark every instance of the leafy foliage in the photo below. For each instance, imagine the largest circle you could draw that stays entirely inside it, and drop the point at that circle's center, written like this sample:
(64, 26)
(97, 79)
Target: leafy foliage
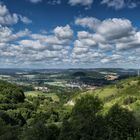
(42, 118)
(121, 123)
(9, 93)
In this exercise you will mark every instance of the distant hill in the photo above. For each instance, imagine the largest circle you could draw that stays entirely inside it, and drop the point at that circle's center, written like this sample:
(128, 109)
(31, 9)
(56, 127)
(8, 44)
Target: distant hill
(79, 74)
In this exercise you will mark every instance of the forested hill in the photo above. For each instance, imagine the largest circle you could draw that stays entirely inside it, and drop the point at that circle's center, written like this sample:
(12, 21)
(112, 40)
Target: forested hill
(26, 117)
(109, 113)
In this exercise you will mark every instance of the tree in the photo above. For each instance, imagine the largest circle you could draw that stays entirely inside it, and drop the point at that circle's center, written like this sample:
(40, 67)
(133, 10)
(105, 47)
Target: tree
(8, 132)
(121, 123)
(10, 93)
(85, 122)
(16, 118)
(39, 131)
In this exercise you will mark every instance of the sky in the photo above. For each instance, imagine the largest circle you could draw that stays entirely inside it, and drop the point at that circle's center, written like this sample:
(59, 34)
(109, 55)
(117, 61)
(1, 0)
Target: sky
(69, 34)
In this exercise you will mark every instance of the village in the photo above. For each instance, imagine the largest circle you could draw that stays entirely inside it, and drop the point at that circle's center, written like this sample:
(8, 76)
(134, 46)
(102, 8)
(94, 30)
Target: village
(42, 81)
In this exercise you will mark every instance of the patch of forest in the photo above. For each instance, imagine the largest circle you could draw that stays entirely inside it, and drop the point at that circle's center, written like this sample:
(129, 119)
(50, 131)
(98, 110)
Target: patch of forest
(42, 118)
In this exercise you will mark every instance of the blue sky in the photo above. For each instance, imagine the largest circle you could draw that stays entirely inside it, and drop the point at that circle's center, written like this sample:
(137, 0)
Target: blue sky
(69, 33)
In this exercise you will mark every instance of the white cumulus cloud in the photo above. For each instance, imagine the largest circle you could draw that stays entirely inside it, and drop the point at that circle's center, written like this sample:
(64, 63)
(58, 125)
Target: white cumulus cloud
(86, 3)
(119, 4)
(6, 18)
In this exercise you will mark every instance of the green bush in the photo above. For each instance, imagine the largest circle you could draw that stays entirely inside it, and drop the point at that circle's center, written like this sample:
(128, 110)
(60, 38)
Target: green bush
(129, 100)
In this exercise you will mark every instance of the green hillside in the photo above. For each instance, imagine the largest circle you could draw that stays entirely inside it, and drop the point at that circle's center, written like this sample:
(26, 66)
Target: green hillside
(126, 93)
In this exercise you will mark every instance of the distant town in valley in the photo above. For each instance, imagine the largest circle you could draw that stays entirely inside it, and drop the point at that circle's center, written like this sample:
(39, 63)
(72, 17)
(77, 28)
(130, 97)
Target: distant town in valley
(83, 79)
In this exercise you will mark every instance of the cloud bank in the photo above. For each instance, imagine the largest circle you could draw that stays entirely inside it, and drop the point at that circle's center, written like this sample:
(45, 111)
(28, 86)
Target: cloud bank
(120, 4)
(112, 42)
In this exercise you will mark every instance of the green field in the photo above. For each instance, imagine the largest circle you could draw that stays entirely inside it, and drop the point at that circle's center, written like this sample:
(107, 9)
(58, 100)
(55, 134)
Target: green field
(40, 93)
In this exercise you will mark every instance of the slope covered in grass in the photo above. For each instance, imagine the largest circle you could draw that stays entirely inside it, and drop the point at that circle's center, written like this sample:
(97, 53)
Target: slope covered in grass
(40, 93)
(126, 93)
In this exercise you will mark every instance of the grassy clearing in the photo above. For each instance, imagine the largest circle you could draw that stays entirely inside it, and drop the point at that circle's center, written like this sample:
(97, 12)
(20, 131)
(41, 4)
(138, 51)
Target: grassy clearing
(106, 92)
(40, 93)
(34, 93)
